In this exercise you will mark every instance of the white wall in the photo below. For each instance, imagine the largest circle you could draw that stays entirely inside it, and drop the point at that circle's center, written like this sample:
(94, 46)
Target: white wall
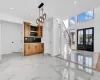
(11, 32)
(51, 38)
(11, 18)
(46, 35)
(56, 37)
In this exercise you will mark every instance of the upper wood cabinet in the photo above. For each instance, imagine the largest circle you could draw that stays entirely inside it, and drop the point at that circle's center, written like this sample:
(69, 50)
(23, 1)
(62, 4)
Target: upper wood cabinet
(32, 31)
(26, 29)
(40, 31)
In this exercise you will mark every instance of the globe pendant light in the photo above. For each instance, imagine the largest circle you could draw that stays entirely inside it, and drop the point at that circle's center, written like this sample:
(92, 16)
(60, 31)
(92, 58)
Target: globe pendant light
(43, 17)
(40, 19)
(37, 21)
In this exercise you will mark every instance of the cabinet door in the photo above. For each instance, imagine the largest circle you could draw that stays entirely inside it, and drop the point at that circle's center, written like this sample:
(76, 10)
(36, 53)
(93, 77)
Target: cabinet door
(42, 48)
(40, 31)
(37, 47)
(27, 49)
(33, 49)
(26, 30)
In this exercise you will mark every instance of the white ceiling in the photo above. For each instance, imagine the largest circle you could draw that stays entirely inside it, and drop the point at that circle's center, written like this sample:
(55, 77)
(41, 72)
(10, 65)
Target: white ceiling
(58, 8)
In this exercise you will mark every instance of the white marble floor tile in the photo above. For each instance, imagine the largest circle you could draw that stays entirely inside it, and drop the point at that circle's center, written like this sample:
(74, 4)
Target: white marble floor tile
(5, 76)
(44, 71)
(18, 77)
(38, 67)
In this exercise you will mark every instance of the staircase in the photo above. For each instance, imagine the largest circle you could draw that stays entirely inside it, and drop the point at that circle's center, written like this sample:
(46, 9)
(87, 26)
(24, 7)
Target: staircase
(67, 39)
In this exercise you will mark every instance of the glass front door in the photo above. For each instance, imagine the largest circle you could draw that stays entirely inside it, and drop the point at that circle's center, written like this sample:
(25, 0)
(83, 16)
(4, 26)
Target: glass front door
(85, 39)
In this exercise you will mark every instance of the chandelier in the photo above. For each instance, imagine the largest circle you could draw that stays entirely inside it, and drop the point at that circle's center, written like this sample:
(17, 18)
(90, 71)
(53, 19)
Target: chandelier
(42, 16)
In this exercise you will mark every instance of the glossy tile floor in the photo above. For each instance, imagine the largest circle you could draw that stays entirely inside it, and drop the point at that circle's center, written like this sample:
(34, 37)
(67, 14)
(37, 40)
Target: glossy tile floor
(15, 66)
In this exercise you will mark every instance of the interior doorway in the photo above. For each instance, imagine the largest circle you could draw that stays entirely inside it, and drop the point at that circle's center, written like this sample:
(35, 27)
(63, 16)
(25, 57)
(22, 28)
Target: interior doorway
(85, 39)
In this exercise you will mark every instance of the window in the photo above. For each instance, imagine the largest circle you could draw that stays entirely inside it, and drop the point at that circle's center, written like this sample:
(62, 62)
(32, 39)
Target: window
(72, 21)
(85, 16)
(89, 36)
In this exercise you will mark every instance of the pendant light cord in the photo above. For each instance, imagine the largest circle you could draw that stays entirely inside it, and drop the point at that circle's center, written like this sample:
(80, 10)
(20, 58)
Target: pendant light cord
(42, 11)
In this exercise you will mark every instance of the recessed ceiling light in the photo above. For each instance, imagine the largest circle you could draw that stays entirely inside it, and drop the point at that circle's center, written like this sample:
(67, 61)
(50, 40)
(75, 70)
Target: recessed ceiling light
(74, 2)
(31, 15)
(11, 8)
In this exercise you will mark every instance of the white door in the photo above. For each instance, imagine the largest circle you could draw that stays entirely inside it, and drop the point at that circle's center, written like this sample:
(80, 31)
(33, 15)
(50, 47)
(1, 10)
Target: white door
(12, 37)
(18, 42)
(50, 41)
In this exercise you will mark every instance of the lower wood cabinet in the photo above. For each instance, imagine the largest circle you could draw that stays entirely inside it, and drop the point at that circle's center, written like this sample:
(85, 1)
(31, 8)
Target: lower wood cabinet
(27, 49)
(33, 48)
(42, 48)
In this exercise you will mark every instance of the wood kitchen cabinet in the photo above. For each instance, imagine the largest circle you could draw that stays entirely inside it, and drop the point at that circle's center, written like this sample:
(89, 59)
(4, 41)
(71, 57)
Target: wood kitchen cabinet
(33, 48)
(42, 47)
(37, 48)
(26, 29)
(39, 31)
(32, 31)
(32, 37)
(27, 49)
